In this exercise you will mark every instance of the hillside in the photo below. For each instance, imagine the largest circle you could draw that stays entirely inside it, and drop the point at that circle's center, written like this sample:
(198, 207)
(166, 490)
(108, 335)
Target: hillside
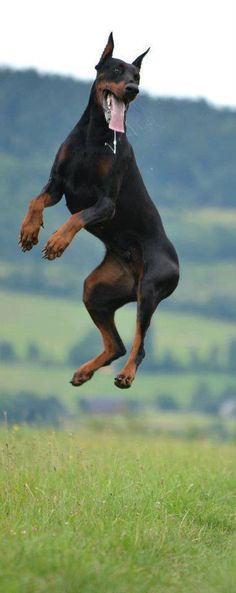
(184, 148)
(185, 151)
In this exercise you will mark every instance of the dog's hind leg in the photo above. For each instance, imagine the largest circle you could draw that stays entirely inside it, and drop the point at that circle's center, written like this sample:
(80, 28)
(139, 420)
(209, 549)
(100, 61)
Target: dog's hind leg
(106, 289)
(153, 289)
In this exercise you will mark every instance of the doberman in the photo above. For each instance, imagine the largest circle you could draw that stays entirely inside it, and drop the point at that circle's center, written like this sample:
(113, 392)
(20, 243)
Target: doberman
(95, 169)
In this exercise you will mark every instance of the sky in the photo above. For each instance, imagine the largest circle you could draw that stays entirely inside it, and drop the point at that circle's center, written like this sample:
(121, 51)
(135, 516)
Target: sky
(193, 42)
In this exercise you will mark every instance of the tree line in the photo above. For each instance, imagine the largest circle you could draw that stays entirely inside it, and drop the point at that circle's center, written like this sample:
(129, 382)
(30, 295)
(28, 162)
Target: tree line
(185, 148)
(167, 362)
(30, 407)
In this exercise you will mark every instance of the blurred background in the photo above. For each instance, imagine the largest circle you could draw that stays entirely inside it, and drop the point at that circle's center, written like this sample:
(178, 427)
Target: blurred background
(183, 130)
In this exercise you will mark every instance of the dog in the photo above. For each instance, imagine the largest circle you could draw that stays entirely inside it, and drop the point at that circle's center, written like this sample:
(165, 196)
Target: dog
(96, 170)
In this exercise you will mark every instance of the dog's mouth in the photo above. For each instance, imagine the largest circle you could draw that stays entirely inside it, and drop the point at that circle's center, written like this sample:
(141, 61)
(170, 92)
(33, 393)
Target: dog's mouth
(114, 111)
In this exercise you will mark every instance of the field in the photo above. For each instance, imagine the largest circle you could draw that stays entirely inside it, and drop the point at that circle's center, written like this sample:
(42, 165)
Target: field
(86, 511)
(55, 325)
(54, 380)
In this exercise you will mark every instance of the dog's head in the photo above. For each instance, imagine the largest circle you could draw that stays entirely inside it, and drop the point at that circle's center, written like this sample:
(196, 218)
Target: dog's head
(117, 84)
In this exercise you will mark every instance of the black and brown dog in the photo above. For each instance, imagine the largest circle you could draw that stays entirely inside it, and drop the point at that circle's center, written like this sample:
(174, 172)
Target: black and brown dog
(96, 170)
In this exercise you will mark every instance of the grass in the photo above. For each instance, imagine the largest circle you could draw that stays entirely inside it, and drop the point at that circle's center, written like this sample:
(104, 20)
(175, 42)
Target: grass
(93, 512)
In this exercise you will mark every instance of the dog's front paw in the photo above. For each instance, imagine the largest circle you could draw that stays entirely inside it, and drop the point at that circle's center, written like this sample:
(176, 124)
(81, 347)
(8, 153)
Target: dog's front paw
(29, 233)
(55, 246)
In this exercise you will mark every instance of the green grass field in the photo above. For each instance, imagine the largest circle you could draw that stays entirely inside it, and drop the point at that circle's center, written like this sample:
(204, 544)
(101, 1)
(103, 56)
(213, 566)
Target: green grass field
(94, 512)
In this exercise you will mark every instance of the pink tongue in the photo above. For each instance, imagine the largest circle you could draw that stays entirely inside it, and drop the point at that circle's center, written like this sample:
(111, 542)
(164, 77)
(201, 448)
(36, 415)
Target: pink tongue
(117, 115)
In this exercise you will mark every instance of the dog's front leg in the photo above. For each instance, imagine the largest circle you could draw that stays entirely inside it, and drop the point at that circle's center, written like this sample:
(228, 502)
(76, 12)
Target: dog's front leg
(33, 221)
(104, 209)
(50, 195)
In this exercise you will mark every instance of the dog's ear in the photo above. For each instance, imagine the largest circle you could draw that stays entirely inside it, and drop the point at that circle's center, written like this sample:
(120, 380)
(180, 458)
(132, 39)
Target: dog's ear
(138, 61)
(107, 52)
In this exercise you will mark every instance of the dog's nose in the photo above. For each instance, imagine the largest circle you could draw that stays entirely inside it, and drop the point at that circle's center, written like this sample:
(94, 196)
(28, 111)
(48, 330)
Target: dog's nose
(131, 88)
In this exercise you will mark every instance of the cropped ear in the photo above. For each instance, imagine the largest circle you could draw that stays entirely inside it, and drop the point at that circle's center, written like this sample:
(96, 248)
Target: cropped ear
(107, 52)
(138, 61)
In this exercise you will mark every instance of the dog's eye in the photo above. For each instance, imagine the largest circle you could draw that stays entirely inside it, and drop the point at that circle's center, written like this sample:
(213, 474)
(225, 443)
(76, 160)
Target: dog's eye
(117, 70)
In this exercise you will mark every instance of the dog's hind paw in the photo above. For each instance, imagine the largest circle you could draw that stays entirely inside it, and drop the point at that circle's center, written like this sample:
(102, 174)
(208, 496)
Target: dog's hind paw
(81, 377)
(123, 381)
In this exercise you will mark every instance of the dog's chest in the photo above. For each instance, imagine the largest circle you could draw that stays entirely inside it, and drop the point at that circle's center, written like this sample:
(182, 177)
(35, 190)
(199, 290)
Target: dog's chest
(84, 178)
(86, 169)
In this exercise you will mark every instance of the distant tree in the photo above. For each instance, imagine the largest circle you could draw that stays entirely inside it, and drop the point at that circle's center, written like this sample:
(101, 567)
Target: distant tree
(150, 363)
(195, 362)
(83, 405)
(133, 406)
(33, 409)
(212, 362)
(166, 402)
(154, 362)
(169, 363)
(89, 347)
(229, 393)
(33, 352)
(7, 352)
(203, 400)
(232, 355)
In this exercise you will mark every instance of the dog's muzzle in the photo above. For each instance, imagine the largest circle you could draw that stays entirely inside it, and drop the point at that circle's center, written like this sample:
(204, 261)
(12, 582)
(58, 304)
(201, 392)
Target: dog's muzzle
(131, 90)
